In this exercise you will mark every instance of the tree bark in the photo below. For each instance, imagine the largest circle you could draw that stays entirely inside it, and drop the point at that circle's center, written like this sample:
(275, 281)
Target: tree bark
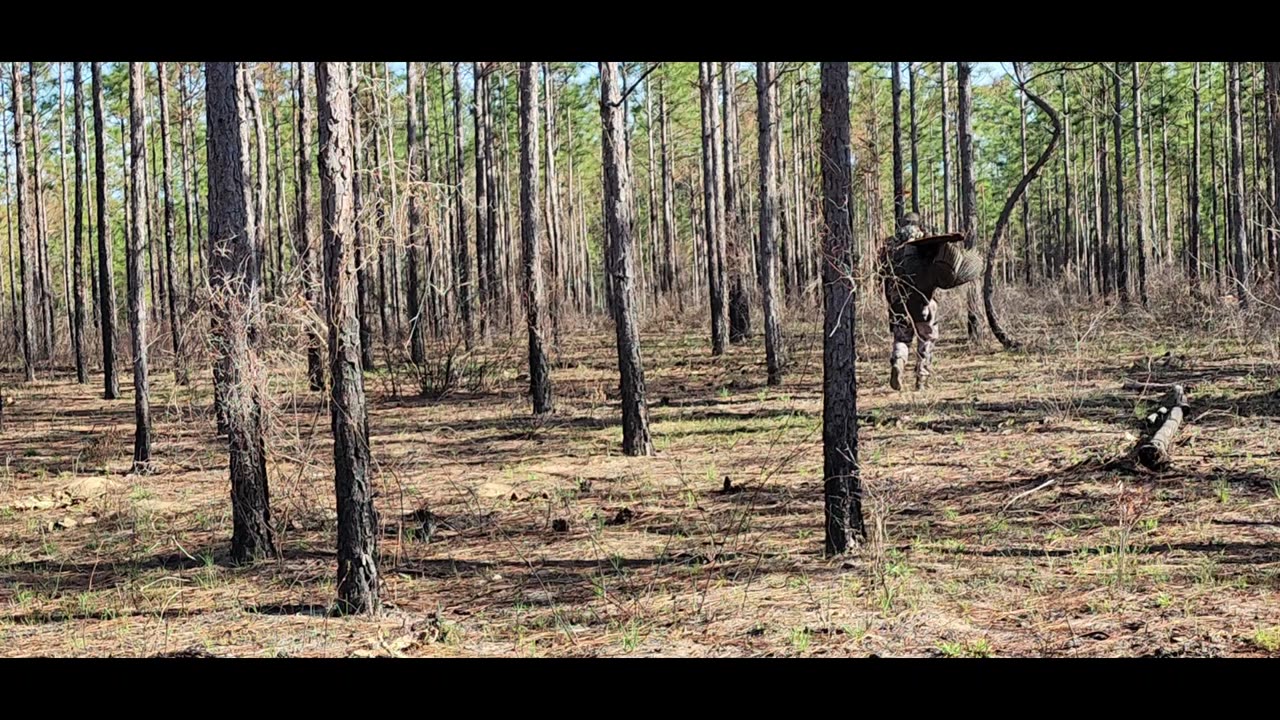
(712, 197)
(417, 345)
(968, 189)
(1240, 270)
(899, 187)
(735, 218)
(106, 274)
(137, 243)
(77, 326)
(1155, 453)
(1142, 197)
(234, 294)
(1122, 248)
(357, 520)
(531, 239)
(166, 184)
(842, 487)
(461, 265)
(26, 254)
(303, 236)
(946, 153)
(1193, 249)
(988, 284)
(767, 114)
(635, 413)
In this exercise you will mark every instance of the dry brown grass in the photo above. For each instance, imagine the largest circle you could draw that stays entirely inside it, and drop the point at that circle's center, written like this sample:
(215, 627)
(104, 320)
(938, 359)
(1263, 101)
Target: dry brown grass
(546, 541)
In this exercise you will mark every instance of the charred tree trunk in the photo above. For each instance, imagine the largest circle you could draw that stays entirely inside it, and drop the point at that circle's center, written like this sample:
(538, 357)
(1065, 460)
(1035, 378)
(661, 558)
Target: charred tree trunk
(234, 294)
(461, 264)
(735, 218)
(899, 187)
(842, 487)
(1239, 235)
(1122, 248)
(357, 520)
(1193, 247)
(635, 413)
(413, 189)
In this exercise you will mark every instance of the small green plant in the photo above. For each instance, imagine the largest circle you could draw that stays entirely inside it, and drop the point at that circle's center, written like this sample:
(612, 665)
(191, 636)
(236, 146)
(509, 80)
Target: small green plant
(800, 639)
(979, 648)
(1223, 491)
(1267, 639)
(630, 636)
(1164, 600)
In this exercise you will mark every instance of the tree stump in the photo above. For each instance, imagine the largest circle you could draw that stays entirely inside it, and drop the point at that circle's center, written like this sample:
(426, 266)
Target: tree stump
(1166, 421)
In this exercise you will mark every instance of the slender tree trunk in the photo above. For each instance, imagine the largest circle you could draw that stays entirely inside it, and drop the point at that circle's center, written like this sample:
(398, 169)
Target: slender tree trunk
(842, 487)
(531, 239)
(915, 139)
(670, 282)
(461, 265)
(899, 187)
(1028, 266)
(189, 191)
(418, 352)
(77, 325)
(1272, 75)
(946, 153)
(44, 278)
(26, 255)
(1142, 188)
(138, 241)
(635, 413)
(106, 274)
(1122, 249)
(166, 184)
(66, 217)
(359, 226)
(767, 114)
(1239, 235)
(357, 520)
(234, 292)
(968, 189)
(15, 317)
(735, 218)
(711, 204)
(303, 236)
(1193, 249)
(277, 277)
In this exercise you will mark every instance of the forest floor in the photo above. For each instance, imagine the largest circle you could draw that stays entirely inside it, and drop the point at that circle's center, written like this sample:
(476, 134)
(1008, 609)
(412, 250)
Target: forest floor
(547, 541)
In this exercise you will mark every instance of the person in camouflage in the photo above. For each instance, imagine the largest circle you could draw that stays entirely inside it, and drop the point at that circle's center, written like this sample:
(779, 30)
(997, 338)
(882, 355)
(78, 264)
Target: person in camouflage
(914, 267)
(913, 313)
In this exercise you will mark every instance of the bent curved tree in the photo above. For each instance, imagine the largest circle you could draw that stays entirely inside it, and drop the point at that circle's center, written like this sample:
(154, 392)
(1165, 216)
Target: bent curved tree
(988, 289)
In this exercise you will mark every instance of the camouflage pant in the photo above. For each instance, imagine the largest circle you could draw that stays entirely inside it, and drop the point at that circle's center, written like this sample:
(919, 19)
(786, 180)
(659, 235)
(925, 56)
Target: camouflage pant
(916, 318)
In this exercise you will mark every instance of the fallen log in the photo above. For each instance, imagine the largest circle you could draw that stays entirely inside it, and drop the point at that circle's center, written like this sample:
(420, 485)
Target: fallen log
(1154, 454)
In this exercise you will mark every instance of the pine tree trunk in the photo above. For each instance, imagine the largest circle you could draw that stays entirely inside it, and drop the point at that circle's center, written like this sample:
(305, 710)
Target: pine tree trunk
(1142, 188)
(234, 295)
(767, 114)
(712, 198)
(66, 217)
(303, 236)
(531, 239)
(189, 191)
(899, 188)
(357, 520)
(968, 190)
(413, 189)
(137, 243)
(106, 274)
(26, 254)
(1240, 269)
(1193, 250)
(461, 265)
(1122, 249)
(358, 225)
(946, 152)
(77, 325)
(166, 184)
(635, 414)
(842, 489)
(915, 139)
